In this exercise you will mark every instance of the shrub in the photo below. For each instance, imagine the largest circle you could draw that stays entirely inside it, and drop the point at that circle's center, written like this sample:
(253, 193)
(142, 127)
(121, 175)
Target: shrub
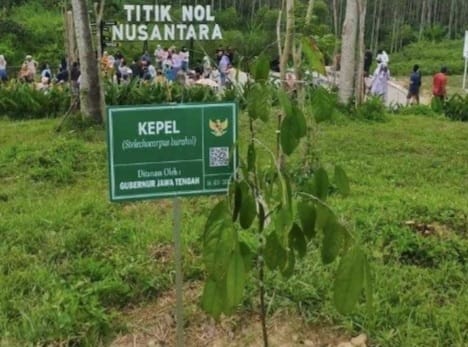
(419, 110)
(373, 109)
(456, 108)
(24, 101)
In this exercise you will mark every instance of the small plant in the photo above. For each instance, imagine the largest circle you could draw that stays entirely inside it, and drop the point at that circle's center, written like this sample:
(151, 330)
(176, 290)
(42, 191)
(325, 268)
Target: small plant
(264, 223)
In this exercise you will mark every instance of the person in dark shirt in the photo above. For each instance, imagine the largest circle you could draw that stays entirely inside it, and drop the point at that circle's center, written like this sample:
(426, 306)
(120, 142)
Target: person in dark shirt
(367, 62)
(74, 78)
(414, 85)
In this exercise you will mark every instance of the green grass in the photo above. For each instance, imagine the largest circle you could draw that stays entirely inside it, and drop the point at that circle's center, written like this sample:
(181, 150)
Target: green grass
(430, 56)
(71, 261)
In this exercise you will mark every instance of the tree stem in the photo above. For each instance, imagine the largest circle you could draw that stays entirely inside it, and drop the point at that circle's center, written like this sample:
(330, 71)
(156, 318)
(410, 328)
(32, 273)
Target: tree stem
(261, 276)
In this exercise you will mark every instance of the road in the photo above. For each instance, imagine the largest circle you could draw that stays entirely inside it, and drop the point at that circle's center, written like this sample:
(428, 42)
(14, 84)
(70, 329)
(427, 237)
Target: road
(396, 94)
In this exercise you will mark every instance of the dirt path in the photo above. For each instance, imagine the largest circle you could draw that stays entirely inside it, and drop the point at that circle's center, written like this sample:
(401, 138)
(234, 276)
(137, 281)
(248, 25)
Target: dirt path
(153, 325)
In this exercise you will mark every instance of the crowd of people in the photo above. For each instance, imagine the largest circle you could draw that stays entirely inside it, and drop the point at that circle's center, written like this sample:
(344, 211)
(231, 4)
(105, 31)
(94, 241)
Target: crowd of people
(165, 65)
(168, 65)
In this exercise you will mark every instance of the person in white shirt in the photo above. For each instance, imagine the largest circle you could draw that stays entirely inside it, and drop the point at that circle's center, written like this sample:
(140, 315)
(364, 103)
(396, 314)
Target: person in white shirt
(380, 81)
(185, 56)
(383, 57)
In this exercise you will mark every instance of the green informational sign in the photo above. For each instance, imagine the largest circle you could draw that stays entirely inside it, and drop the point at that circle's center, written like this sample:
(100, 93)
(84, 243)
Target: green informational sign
(171, 150)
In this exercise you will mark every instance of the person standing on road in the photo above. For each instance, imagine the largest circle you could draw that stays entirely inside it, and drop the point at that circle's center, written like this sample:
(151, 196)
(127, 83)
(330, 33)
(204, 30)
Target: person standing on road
(379, 85)
(439, 84)
(414, 85)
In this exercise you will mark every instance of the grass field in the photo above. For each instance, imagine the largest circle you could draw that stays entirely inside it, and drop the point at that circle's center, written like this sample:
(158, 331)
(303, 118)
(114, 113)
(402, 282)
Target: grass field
(72, 262)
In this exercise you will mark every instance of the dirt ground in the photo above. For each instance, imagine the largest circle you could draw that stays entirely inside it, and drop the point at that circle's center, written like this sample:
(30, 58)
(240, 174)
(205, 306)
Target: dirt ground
(154, 326)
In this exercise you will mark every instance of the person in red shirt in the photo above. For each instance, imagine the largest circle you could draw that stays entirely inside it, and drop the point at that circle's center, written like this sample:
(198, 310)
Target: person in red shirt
(439, 84)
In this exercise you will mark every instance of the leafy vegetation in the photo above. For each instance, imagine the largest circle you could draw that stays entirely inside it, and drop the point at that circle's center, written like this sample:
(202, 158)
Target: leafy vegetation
(430, 56)
(456, 108)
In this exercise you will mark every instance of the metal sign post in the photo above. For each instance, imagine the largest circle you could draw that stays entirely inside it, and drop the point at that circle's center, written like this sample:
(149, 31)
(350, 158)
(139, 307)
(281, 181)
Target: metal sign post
(160, 151)
(179, 313)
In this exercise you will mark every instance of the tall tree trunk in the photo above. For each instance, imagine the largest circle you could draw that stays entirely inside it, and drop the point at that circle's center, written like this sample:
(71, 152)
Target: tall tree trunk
(348, 50)
(90, 96)
(377, 27)
(71, 40)
(450, 23)
(422, 22)
(359, 87)
(374, 22)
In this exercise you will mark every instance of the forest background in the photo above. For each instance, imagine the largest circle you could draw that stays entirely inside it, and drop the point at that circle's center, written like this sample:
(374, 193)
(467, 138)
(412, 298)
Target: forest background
(36, 27)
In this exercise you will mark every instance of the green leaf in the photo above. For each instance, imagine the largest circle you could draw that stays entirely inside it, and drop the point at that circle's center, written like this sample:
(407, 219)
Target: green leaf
(283, 220)
(349, 281)
(333, 235)
(247, 254)
(217, 216)
(293, 128)
(341, 181)
(313, 55)
(285, 102)
(288, 138)
(288, 270)
(307, 217)
(259, 102)
(218, 240)
(248, 209)
(301, 122)
(324, 216)
(275, 255)
(237, 201)
(213, 299)
(251, 158)
(235, 279)
(261, 71)
(286, 192)
(297, 240)
(323, 104)
(322, 184)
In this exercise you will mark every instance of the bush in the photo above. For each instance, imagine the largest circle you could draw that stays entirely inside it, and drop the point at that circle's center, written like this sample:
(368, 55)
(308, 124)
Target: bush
(419, 110)
(456, 108)
(24, 101)
(373, 109)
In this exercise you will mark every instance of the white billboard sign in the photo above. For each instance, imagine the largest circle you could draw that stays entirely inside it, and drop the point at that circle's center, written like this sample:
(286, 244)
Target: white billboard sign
(162, 23)
(465, 49)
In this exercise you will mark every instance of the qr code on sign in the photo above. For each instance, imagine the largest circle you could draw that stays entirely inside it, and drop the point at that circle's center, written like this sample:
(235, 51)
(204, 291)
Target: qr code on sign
(219, 156)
